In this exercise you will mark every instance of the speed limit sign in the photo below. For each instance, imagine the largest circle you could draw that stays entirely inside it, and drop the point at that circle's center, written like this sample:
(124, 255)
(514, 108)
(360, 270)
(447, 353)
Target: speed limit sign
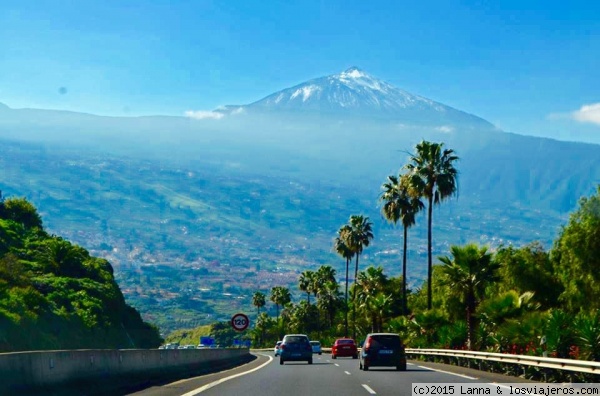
(240, 322)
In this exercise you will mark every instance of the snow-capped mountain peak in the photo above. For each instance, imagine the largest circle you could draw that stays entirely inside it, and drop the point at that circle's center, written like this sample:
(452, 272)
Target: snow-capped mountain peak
(351, 89)
(353, 72)
(354, 92)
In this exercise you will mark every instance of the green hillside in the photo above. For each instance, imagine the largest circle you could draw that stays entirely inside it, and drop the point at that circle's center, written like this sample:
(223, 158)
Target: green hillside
(55, 295)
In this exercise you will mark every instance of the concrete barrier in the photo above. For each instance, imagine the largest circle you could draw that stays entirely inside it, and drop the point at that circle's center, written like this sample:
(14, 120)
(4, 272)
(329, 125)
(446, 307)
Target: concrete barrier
(27, 371)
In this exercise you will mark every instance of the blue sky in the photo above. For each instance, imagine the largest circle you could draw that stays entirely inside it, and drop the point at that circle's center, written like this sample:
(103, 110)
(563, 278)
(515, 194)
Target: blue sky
(529, 67)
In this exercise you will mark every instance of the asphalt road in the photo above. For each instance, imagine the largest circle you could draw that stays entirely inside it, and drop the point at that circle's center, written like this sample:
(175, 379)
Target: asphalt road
(265, 376)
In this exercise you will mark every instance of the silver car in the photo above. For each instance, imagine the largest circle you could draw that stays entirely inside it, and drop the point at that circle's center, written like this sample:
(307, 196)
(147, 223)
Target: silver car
(316, 347)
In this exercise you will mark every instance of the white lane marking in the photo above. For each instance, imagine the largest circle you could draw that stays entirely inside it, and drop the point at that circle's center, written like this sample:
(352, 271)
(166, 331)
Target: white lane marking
(347, 372)
(337, 365)
(220, 381)
(368, 388)
(410, 364)
(448, 372)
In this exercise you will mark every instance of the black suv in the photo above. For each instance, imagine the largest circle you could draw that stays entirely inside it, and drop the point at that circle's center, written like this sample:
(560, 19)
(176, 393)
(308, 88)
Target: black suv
(382, 349)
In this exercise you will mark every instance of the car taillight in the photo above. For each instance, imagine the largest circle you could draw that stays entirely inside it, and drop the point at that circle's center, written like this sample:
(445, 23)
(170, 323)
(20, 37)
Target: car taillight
(282, 347)
(367, 344)
(309, 347)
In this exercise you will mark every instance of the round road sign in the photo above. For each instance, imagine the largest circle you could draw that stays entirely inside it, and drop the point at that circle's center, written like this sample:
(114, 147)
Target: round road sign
(240, 322)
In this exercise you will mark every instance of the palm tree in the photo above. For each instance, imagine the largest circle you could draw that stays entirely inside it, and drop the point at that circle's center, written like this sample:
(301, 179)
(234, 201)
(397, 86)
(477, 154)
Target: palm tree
(306, 283)
(259, 301)
(468, 273)
(359, 237)
(370, 285)
(280, 296)
(432, 175)
(400, 205)
(341, 247)
(329, 299)
(62, 258)
(324, 274)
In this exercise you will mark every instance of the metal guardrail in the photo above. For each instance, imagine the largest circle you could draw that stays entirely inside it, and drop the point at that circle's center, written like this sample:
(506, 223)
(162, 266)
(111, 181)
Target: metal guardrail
(581, 366)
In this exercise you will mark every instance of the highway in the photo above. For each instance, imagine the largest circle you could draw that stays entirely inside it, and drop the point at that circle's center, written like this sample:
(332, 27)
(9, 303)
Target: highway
(266, 377)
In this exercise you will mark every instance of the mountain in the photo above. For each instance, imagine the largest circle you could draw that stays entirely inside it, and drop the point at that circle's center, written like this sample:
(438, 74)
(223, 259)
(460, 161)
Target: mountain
(356, 93)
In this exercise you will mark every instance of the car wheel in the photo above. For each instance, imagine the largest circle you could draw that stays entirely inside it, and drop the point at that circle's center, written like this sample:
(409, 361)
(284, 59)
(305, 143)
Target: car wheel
(280, 361)
(310, 361)
(355, 357)
(319, 353)
(366, 368)
(333, 356)
(401, 367)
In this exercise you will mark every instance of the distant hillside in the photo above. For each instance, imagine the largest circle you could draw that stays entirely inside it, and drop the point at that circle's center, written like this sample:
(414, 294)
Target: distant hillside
(54, 295)
(190, 244)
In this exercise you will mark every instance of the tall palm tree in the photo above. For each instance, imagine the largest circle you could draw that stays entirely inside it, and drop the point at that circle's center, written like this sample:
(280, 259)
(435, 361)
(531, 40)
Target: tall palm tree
(361, 234)
(259, 300)
(432, 175)
(306, 283)
(399, 204)
(468, 273)
(341, 247)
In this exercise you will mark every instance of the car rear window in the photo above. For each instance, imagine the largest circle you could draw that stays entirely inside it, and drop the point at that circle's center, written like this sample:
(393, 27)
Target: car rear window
(315, 343)
(385, 341)
(296, 340)
(348, 342)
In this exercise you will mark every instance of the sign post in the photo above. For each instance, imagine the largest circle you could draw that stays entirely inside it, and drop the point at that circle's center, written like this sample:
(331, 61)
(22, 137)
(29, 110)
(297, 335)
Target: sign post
(240, 322)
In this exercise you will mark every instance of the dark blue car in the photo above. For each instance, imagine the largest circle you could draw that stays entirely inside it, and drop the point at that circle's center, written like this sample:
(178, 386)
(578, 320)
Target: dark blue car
(295, 347)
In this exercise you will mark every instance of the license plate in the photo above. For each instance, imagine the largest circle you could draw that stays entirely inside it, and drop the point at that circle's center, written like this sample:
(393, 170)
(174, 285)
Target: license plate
(386, 352)
(346, 347)
(296, 354)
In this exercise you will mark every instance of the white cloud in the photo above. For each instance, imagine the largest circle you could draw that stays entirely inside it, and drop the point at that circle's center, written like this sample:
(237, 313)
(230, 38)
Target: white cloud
(444, 129)
(588, 113)
(204, 115)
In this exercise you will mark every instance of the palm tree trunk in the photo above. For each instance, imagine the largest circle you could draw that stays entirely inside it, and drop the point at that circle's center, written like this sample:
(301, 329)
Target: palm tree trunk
(429, 260)
(346, 309)
(404, 296)
(354, 299)
(470, 319)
